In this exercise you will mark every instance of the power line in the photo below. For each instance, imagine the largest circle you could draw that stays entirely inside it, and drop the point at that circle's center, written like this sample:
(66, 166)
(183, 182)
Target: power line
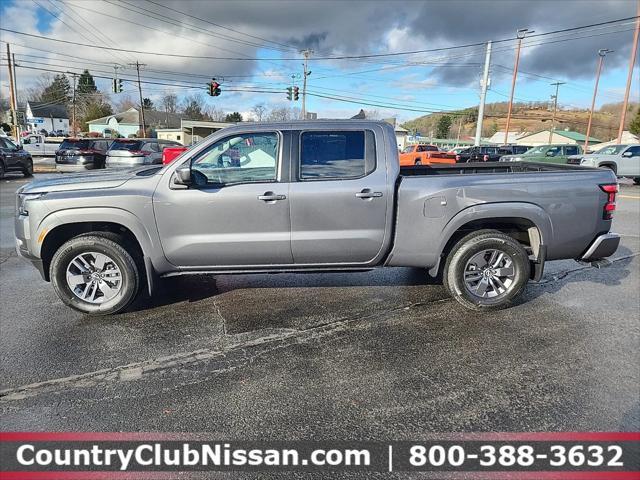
(341, 57)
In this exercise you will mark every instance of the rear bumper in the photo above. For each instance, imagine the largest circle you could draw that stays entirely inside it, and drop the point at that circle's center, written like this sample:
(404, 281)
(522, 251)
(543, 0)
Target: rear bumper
(603, 246)
(67, 167)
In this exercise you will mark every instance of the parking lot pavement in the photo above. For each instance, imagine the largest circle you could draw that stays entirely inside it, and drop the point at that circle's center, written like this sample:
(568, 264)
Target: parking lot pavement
(375, 355)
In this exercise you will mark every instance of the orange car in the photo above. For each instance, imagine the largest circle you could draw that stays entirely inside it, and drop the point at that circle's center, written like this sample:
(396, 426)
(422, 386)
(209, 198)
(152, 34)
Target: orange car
(424, 155)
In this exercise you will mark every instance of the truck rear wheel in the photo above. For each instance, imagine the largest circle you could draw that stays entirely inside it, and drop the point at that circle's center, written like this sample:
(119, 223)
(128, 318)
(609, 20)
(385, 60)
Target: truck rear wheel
(486, 270)
(95, 274)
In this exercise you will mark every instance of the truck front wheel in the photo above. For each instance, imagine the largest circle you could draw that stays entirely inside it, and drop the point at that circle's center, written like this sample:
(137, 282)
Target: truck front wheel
(95, 274)
(486, 270)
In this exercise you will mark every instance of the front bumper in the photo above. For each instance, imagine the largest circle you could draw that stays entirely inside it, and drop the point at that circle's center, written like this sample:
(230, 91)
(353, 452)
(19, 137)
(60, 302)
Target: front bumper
(603, 246)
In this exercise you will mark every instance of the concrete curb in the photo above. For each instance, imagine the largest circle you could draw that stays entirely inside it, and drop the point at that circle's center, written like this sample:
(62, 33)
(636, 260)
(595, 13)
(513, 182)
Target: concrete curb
(44, 169)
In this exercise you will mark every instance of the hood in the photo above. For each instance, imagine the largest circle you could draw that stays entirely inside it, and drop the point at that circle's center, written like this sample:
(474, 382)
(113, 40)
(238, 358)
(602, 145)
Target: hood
(83, 181)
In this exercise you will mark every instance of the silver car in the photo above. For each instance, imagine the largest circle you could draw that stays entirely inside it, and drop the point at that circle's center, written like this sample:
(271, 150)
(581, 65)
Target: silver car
(134, 152)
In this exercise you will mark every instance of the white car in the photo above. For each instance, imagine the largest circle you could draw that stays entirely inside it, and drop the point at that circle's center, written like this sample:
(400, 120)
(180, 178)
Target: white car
(624, 160)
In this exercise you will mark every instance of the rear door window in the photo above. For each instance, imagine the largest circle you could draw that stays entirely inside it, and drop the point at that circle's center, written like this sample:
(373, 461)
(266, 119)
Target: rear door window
(336, 154)
(571, 150)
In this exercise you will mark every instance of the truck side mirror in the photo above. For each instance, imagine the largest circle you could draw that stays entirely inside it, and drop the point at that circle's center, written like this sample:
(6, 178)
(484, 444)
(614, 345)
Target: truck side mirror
(183, 176)
(19, 146)
(627, 154)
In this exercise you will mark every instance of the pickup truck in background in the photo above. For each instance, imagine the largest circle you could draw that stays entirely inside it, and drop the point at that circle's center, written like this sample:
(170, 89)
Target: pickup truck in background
(41, 146)
(623, 160)
(545, 153)
(424, 155)
(311, 196)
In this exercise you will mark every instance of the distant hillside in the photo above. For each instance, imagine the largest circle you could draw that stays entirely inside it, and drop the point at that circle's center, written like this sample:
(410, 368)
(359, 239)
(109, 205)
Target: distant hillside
(527, 117)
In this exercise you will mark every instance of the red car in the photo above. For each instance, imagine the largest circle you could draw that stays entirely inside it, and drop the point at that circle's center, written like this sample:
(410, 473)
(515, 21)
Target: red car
(169, 154)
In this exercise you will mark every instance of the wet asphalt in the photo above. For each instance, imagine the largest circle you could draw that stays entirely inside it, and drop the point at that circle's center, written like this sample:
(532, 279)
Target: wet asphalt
(377, 355)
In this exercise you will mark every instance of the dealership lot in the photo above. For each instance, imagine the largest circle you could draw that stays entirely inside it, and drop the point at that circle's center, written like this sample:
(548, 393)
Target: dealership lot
(374, 355)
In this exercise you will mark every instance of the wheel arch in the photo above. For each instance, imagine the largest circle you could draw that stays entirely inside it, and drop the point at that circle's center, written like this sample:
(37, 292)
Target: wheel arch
(610, 165)
(527, 223)
(58, 228)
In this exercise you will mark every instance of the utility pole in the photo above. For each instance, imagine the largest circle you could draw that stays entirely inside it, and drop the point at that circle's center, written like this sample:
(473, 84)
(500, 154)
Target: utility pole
(483, 94)
(459, 130)
(555, 109)
(143, 126)
(12, 96)
(73, 115)
(520, 34)
(15, 99)
(601, 54)
(307, 53)
(632, 61)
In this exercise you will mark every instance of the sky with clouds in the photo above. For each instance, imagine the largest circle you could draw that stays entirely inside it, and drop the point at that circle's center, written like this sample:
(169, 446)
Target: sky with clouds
(253, 47)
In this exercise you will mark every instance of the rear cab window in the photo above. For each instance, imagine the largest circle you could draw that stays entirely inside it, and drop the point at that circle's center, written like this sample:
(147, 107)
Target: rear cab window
(334, 155)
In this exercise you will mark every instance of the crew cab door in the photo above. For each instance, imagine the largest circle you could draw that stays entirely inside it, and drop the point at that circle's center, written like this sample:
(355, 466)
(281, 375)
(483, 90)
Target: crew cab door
(236, 213)
(8, 153)
(629, 162)
(338, 197)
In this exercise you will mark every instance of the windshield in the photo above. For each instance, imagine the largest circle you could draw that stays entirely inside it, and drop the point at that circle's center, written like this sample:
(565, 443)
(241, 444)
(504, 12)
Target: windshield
(131, 146)
(75, 144)
(611, 150)
(408, 149)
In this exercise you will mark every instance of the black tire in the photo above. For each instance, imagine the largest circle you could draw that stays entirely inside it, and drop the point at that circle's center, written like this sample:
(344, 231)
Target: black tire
(418, 162)
(1, 170)
(470, 246)
(28, 170)
(636, 181)
(105, 243)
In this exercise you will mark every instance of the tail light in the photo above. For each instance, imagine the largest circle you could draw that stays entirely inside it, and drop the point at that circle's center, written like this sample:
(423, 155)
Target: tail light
(610, 189)
(485, 158)
(139, 152)
(457, 158)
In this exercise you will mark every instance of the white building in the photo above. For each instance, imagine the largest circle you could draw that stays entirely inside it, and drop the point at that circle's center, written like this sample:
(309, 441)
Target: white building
(51, 117)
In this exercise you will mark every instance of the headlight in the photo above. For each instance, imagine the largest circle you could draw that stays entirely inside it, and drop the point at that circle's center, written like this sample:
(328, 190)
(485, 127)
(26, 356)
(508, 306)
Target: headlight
(23, 198)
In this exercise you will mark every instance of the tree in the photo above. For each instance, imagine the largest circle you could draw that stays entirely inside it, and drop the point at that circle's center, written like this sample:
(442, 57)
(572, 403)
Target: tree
(125, 103)
(97, 108)
(443, 126)
(170, 103)
(259, 111)
(233, 117)
(86, 84)
(634, 126)
(281, 114)
(58, 91)
(147, 103)
(192, 108)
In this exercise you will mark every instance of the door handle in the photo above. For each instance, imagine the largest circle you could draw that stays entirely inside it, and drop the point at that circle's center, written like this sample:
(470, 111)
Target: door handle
(271, 197)
(367, 194)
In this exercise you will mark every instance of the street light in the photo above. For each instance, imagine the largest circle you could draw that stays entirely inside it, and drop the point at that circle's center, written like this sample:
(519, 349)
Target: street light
(520, 34)
(601, 54)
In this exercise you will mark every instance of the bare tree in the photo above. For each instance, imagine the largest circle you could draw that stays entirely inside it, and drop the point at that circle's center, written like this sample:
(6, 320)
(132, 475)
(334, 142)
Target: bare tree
(279, 114)
(124, 103)
(215, 114)
(259, 110)
(170, 103)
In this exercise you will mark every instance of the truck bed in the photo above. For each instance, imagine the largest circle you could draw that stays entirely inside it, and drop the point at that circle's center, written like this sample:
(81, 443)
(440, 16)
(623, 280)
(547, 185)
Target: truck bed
(486, 168)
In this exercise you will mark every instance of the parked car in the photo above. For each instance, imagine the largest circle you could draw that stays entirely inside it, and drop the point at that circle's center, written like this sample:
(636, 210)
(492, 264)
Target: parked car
(513, 149)
(135, 152)
(546, 154)
(41, 145)
(457, 150)
(169, 154)
(483, 153)
(79, 154)
(13, 158)
(424, 155)
(623, 160)
(335, 198)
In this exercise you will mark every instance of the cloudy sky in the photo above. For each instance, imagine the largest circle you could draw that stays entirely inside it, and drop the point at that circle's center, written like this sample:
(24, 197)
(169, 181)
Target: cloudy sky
(253, 46)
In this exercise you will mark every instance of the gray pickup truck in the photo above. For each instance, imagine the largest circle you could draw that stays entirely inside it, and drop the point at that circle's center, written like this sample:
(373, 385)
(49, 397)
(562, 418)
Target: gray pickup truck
(311, 196)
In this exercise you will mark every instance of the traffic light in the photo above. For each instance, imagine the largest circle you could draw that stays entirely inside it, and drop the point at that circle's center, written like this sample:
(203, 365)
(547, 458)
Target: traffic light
(295, 93)
(117, 85)
(214, 88)
(289, 93)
